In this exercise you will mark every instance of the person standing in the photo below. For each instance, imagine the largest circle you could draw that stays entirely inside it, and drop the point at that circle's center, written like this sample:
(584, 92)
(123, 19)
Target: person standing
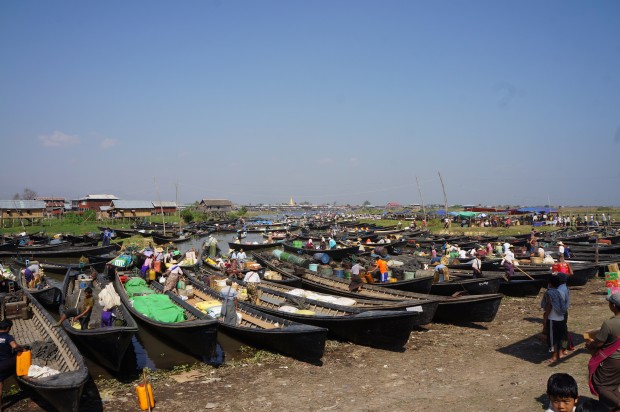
(241, 258)
(604, 366)
(174, 274)
(476, 266)
(554, 328)
(107, 236)
(508, 262)
(560, 248)
(252, 279)
(8, 349)
(229, 308)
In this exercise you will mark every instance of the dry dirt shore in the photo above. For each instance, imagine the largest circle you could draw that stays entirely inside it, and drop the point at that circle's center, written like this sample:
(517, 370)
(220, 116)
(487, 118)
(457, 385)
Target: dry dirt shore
(479, 367)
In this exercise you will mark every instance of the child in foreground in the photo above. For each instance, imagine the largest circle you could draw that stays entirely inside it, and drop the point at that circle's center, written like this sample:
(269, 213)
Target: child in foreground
(562, 392)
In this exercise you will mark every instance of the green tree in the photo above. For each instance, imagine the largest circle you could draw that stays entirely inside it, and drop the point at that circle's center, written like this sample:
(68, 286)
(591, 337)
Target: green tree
(187, 215)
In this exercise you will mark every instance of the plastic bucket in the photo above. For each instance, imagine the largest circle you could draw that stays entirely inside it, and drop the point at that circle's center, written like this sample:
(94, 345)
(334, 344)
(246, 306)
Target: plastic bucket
(347, 274)
(339, 272)
(321, 257)
(313, 267)
(85, 283)
(298, 244)
(277, 253)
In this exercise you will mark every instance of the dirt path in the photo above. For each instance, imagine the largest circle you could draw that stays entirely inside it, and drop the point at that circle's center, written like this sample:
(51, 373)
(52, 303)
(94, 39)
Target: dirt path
(481, 367)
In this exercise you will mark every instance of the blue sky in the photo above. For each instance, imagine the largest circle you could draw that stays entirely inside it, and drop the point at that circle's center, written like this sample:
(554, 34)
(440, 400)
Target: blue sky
(514, 102)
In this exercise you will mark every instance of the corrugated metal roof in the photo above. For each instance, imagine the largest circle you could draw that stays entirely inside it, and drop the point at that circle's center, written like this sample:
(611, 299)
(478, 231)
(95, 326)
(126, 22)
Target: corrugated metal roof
(164, 203)
(22, 204)
(104, 208)
(132, 204)
(99, 197)
(216, 202)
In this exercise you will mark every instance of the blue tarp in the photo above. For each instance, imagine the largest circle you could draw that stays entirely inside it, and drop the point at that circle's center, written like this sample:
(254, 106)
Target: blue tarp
(537, 209)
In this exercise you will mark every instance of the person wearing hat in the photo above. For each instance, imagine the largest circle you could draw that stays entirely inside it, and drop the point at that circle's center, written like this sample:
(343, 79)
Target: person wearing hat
(560, 248)
(159, 258)
(604, 377)
(174, 274)
(508, 262)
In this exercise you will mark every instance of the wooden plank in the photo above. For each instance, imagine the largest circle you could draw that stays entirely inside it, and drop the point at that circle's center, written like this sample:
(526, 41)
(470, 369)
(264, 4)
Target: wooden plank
(258, 322)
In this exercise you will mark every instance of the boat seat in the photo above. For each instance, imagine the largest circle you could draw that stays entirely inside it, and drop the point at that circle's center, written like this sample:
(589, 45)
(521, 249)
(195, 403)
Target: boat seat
(273, 301)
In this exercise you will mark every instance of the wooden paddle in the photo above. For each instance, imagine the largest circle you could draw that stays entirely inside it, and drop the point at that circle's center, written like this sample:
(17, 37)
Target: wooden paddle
(524, 272)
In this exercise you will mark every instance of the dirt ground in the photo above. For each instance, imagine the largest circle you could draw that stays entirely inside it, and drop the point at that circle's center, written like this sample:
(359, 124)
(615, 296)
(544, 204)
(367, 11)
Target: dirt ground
(477, 367)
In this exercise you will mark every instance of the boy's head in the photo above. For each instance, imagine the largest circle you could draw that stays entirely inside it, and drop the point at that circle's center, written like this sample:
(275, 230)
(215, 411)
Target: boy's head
(562, 392)
(88, 291)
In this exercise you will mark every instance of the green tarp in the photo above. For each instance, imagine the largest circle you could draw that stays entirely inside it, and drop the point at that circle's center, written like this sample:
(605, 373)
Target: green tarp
(158, 307)
(137, 286)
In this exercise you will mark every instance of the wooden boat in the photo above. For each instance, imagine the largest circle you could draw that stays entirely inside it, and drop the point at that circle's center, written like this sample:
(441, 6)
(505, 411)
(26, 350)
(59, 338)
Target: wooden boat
(424, 308)
(518, 286)
(468, 308)
(337, 254)
(162, 240)
(420, 284)
(48, 295)
(106, 345)
(250, 246)
(33, 326)
(61, 268)
(194, 335)
(65, 252)
(581, 273)
(388, 246)
(261, 330)
(119, 233)
(479, 286)
(43, 246)
(83, 240)
(377, 328)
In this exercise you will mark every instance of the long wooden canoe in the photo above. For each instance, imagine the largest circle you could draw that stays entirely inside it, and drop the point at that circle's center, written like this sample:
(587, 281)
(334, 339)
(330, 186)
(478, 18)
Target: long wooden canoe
(33, 326)
(106, 345)
(261, 330)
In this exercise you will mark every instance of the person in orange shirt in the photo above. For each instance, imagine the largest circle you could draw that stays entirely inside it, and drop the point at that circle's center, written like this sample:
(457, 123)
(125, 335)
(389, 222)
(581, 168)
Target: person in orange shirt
(382, 268)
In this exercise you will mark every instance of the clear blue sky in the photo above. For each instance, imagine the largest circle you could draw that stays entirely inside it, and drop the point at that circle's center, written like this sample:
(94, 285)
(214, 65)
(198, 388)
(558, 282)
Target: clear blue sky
(514, 102)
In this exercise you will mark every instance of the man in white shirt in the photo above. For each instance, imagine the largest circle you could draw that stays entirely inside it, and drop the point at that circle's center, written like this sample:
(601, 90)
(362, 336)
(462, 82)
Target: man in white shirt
(241, 257)
(560, 249)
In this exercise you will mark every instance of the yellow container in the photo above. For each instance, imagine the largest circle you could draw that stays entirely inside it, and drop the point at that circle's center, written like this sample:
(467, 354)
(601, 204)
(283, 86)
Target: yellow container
(145, 396)
(24, 359)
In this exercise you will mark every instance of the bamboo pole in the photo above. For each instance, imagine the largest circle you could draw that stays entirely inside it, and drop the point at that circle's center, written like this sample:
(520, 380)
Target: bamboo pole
(445, 200)
(421, 198)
